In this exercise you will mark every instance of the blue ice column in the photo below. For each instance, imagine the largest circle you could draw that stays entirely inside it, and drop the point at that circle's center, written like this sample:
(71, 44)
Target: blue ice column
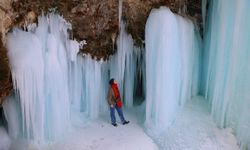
(172, 66)
(227, 51)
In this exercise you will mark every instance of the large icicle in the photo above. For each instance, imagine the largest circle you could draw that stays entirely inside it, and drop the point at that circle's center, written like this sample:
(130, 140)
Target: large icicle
(28, 78)
(39, 69)
(171, 54)
(228, 71)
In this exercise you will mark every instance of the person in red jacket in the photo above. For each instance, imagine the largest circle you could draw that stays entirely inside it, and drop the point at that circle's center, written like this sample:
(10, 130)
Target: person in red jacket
(114, 101)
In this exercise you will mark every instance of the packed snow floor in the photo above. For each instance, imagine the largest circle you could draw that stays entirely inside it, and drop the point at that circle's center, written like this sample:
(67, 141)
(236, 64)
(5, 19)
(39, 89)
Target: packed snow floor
(192, 130)
(101, 135)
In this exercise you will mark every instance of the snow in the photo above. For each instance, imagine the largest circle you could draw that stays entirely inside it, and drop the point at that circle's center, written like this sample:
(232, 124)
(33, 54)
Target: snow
(99, 134)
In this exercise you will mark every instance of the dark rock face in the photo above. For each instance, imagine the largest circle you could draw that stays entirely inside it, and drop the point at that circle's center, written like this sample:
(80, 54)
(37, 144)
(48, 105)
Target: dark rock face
(95, 21)
(5, 78)
(136, 13)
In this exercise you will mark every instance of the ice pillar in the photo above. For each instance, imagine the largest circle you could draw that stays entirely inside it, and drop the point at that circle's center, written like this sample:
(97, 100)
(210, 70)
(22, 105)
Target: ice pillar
(172, 48)
(227, 50)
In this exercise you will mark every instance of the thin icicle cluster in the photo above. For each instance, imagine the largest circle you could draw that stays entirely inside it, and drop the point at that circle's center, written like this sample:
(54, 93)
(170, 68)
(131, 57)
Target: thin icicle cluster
(89, 86)
(172, 66)
(227, 51)
(122, 65)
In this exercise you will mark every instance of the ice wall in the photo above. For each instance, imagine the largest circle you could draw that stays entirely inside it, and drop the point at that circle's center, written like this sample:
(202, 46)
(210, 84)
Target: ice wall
(95, 87)
(172, 66)
(227, 48)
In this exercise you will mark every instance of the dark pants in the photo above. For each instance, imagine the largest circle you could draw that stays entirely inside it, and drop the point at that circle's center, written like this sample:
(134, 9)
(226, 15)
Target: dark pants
(119, 111)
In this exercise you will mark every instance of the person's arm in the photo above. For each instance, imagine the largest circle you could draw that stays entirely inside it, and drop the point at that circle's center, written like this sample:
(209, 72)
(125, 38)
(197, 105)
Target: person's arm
(110, 97)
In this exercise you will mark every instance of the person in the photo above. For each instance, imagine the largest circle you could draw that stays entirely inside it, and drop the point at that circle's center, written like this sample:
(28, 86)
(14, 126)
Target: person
(114, 101)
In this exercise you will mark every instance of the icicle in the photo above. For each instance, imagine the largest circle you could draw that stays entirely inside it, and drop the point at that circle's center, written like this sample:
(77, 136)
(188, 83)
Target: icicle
(28, 79)
(170, 60)
(39, 66)
(55, 85)
(227, 68)
(120, 13)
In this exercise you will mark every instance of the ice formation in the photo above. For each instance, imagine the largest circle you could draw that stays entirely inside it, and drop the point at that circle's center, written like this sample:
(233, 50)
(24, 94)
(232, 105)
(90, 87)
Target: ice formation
(50, 79)
(53, 83)
(40, 74)
(172, 66)
(5, 139)
(122, 65)
(227, 52)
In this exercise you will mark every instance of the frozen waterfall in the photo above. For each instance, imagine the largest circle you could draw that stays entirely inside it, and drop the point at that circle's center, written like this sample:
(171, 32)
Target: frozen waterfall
(227, 51)
(39, 66)
(172, 66)
(50, 79)
(54, 85)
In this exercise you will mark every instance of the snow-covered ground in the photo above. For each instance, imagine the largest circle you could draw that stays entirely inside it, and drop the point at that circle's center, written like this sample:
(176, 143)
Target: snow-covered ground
(101, 135)
(194, 129)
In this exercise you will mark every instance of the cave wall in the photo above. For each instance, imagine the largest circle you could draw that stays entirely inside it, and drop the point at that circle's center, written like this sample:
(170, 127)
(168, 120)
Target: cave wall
(5, 23)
